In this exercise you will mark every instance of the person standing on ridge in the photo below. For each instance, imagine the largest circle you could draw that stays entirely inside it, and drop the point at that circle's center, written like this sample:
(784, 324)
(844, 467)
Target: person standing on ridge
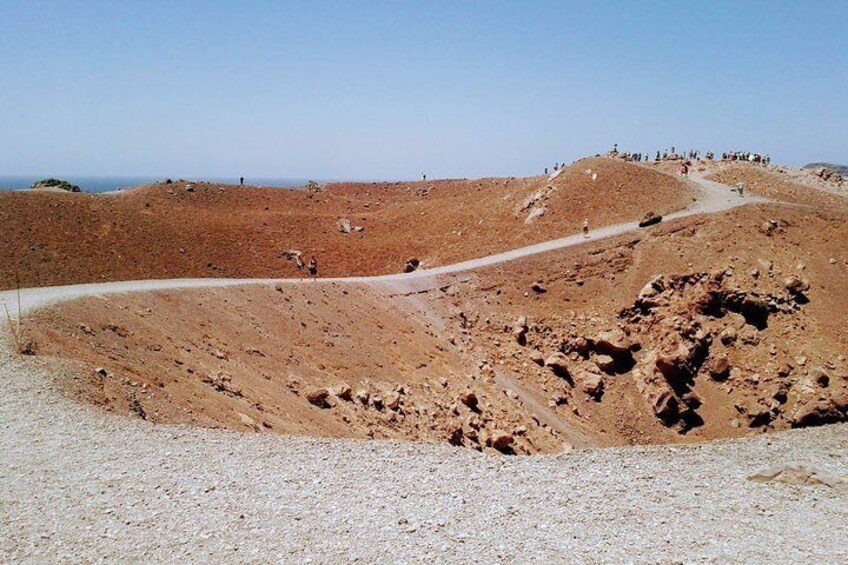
(241, 181)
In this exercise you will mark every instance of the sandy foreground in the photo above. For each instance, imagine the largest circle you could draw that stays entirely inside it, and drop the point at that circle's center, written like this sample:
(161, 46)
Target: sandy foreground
(79, 485)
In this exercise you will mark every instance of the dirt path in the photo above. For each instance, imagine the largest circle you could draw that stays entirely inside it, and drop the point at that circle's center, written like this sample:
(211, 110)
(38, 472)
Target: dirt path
(538, 407)
(714, 198)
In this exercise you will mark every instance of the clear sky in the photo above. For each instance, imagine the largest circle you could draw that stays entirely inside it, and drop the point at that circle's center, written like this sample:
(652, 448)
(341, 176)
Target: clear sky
(388, 89)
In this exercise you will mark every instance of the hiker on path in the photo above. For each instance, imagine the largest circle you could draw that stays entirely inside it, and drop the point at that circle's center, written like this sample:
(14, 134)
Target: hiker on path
(740, 188)
(313, 267)
(586, 228)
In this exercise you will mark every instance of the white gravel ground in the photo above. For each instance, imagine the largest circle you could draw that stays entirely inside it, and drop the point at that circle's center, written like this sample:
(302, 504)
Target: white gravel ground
(79, 485)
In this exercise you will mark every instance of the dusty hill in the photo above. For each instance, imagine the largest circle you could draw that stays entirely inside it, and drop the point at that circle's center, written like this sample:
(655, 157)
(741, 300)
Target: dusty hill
(206, 230)
(798, 186)
(841, 169)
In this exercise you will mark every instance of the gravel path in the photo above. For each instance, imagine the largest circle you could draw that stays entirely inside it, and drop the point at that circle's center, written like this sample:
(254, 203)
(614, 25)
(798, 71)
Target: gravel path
(80, 485)
(714, 198)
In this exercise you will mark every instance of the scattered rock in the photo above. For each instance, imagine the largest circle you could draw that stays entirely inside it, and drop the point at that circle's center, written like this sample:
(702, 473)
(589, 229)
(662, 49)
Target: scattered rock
(719, 367)
(537, 357)
(538, 288)
(469, 399)
(591, 383)
(344, 391)
(605, 363)
(500, 440)
(650, 219)
(612, 342)
(344, 225)
(392, 400)
(318, 397)
(247, 420)
(796, 285)
(558, 363)
(797, 475)
(411, 265)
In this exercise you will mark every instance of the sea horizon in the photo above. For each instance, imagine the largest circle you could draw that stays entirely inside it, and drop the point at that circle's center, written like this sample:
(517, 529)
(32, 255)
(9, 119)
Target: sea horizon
(105, 183)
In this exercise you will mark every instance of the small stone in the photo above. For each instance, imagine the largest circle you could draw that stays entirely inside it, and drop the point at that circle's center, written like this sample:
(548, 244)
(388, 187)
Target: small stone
(392, 400)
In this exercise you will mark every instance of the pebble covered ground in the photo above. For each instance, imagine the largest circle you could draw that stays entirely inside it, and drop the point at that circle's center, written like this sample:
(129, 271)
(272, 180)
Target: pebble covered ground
(78, 485)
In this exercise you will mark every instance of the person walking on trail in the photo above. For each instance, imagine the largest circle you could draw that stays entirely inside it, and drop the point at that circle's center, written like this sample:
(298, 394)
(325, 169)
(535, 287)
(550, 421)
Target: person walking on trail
(586, 228)
(313, 267)
(241, 181)
(740, 188)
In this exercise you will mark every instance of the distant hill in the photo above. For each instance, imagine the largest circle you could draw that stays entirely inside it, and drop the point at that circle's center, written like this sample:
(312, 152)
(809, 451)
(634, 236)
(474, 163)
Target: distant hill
(841, 169)
(55, 184)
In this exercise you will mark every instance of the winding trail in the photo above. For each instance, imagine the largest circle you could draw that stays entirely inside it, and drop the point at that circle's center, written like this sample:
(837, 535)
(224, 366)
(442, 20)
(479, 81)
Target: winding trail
(80, 485)
(714, 198)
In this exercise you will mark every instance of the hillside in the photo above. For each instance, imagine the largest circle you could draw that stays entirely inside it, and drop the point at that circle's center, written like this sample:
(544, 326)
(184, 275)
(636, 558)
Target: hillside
(205, 230)
(841, 169)
(747, 317)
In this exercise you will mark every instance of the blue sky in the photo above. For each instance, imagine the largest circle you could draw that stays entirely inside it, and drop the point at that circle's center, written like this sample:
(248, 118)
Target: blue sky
(389, 89)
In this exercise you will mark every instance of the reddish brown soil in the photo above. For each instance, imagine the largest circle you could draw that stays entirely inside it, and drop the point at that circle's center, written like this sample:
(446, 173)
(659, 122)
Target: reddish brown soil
(245, 358)
(163, 231)
(770, 183)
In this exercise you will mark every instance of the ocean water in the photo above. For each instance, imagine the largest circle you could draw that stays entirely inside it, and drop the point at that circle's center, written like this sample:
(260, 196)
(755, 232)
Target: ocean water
(107, 184)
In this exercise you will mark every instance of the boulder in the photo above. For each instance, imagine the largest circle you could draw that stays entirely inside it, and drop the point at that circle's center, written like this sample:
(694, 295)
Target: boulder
(820, 376)
(653, 287)
(605, 363)
(411, 265)
(537, 357)
(612, 342)
(469, 399)
(499, 440)
(579, 345)
(538, 288)
(558, 363)
(796, 285)
(815, 411)
(318, 397)
(650, 219)
(591, 383)
(719, 367)
(756, 412)
(344, 391)
(519, 330)
(344, 225)
(392, 400)
(673, 357)
(362, 396)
